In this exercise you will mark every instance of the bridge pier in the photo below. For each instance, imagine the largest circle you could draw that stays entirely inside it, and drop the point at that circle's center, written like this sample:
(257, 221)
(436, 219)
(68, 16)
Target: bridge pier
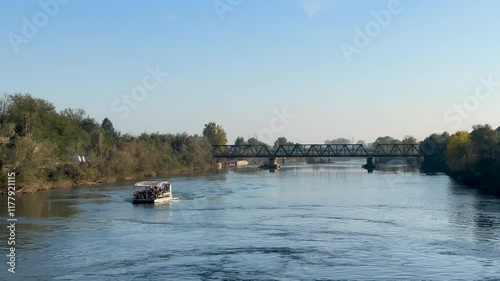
(370, 164)
(273, 163)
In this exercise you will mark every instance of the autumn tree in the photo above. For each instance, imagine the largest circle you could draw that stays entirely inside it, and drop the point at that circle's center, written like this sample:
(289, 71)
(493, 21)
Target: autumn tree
(458, 150)
(215, 134)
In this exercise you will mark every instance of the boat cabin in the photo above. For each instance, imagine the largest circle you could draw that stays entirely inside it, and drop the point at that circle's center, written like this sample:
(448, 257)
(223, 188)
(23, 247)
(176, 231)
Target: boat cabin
(152, 191)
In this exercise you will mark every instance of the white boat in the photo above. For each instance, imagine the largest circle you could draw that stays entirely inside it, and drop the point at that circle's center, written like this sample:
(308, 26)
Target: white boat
(152, 192)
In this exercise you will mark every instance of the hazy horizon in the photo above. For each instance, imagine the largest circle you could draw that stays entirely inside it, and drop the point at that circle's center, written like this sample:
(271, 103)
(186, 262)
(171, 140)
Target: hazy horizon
(347, 69)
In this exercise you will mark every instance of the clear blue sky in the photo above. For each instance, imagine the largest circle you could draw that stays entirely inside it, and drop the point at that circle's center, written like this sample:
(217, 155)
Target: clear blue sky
(260, 56)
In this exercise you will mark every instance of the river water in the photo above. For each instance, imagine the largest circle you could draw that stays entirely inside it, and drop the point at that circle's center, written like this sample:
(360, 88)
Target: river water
(304, 222)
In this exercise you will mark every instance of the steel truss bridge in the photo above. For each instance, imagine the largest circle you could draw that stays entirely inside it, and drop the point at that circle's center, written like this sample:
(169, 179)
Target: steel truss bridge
(317, 150)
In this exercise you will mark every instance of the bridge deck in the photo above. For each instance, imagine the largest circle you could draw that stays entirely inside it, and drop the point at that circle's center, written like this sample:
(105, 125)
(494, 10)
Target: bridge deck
(316, 150)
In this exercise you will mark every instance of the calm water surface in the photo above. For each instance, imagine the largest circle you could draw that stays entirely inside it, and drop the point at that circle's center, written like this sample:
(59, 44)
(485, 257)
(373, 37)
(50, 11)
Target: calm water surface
(305, 222)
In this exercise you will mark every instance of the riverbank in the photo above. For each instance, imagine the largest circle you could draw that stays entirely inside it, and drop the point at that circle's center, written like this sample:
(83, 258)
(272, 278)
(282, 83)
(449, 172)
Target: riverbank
(476, 181)
(66, 183)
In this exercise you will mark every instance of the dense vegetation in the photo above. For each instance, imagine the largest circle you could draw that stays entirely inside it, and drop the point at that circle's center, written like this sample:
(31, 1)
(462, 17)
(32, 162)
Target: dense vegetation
(473, 158)
(38, 144)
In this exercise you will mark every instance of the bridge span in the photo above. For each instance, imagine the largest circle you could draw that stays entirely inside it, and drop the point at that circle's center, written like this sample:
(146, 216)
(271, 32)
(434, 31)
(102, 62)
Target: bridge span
(318, 151)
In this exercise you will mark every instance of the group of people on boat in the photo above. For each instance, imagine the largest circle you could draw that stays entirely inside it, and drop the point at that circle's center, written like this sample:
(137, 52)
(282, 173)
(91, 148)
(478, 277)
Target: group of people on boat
(151, 193)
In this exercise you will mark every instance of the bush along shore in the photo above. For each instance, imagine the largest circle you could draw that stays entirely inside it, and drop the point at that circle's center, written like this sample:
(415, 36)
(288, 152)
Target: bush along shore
(46, 148)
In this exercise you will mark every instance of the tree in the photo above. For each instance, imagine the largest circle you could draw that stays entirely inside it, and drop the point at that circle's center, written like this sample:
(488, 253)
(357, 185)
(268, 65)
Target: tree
(215, 134)
(254, 141)
(486, 144)
(89, 125)
(108, 128)
(282, 141)
(433, 149)
(100, 146)
(434, 144)
(76, 114)
(386, 140)
(4, 108)
(338, 141)
(240, 141)
(30, 159)
(409, 140)
(458, 150)
(32, 116)
(363, 143)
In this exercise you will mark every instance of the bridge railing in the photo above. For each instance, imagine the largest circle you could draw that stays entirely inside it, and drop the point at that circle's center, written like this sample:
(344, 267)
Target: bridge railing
(317, 150)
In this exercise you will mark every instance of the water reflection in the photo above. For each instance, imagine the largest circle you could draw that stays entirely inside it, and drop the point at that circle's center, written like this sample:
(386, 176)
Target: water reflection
(397, 169)
(486, 219)
(476, 211)
(43, 204)
(41, 212)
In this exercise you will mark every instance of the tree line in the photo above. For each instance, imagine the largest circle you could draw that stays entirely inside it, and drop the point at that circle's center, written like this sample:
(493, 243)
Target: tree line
(38, 143)
(473, 158)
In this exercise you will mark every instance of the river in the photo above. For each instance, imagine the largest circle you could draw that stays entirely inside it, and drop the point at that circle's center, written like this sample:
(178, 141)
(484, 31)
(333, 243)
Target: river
(304, 222)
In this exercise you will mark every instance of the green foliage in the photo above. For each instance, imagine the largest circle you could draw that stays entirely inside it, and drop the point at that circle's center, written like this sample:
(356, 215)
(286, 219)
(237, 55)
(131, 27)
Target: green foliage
(362, 142)
(37, 143)
(486, 142)
(240, 141)
(473, 158)
(215, 134)
(338, 141)
(254, 141)
(486, 149)
(76, 115)
(282, 141)
(409, 140)
(433, 148)
(32, 116)
(30, 159)
(458, 150)
(109, 130)
(386, 140)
